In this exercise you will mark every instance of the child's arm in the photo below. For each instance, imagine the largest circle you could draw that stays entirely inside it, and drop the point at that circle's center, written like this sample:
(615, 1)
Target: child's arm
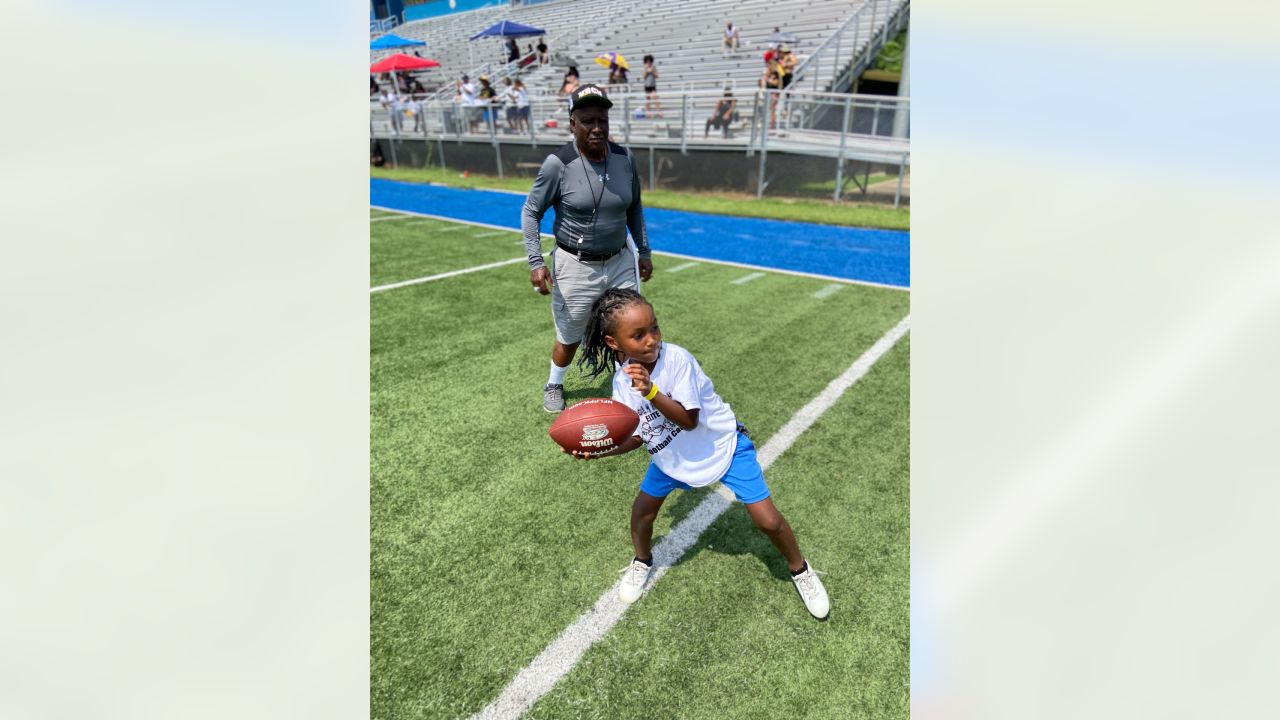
(674, 411)
(625, 446)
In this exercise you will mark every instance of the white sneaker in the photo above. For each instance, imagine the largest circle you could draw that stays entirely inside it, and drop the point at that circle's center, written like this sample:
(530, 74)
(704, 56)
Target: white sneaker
(812, 592)
(633, 579)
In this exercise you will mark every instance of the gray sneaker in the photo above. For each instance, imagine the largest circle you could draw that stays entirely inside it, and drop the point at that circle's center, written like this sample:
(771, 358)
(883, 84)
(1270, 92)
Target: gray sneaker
(553, 398)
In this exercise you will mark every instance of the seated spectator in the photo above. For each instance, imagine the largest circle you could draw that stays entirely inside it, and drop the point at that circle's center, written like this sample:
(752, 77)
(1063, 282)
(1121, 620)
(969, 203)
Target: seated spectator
(732, 39)
(617, 74)
(543, 58)
(725, 113)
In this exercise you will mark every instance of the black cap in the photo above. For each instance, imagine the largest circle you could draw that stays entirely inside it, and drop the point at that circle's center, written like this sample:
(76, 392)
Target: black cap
(588, 95)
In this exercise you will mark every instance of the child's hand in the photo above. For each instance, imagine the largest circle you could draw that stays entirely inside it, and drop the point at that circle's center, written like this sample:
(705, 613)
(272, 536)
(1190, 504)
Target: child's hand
(580, 454)
(640, 381)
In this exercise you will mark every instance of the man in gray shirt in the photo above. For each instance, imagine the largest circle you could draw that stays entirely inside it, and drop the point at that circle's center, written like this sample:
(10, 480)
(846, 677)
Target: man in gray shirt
(594, 187)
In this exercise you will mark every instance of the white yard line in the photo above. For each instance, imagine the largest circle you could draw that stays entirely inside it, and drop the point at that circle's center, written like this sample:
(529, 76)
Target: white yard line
(493, 234)
(390, 217)
(747, 278)
(827, 291)
(560, 657)
(796, 273)
(451, 273)
(685, 266)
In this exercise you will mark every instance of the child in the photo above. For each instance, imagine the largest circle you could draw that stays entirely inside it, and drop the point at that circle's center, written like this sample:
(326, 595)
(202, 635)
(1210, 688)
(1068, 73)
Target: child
(692, 435)
(651, 89)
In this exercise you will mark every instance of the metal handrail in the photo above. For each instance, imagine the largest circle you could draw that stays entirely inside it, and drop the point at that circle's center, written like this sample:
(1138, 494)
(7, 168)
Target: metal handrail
(798, 73)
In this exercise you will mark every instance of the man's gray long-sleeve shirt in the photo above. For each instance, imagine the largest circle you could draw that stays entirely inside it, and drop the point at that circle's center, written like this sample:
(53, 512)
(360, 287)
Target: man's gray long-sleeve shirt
(573, 185)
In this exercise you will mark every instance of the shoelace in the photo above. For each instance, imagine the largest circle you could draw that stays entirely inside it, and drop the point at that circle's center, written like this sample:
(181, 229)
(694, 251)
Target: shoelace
(640, 570)
(805, 581)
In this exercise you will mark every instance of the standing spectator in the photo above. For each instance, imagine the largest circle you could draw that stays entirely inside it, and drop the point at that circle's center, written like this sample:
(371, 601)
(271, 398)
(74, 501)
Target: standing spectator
(373, 86)
(486, 98)
(732, 38)
(392, 103)
(594, 186)
(419, 115)
(542, 52)
(522, 106)
(786, 64)
(723, 115)
(509, 97)
(650, 79)
(467, 91)
(570, 83)
(513, 50)
(772, 80)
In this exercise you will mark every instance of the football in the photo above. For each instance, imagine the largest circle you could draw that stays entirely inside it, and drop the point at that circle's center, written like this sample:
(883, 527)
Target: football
(596, 425)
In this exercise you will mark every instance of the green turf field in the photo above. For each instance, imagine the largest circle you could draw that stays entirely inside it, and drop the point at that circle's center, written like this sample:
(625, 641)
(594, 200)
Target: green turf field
(487, 542)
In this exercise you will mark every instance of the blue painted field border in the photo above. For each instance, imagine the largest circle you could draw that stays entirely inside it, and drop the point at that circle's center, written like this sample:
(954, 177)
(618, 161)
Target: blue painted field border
(880, 257)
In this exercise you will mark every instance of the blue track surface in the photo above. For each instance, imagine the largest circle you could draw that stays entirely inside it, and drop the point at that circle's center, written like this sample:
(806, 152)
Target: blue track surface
(877, 256)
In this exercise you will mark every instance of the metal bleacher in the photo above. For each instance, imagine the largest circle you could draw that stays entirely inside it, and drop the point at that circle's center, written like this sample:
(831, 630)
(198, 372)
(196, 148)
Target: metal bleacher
(834, 40)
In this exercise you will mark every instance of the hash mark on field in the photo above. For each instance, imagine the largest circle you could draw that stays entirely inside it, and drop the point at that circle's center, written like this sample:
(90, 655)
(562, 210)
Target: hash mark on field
(828, 291)
(685, 266)
(559, 658)
(747, 278)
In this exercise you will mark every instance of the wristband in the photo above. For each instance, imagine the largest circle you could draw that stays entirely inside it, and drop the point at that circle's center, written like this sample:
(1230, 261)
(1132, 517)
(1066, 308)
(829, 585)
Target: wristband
(653, 391)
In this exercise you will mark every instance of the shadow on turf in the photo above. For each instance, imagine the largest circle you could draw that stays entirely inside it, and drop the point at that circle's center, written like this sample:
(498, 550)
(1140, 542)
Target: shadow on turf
(732, 533)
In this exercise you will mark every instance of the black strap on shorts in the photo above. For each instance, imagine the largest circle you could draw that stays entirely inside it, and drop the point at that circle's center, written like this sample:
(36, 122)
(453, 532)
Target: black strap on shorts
(589, 257)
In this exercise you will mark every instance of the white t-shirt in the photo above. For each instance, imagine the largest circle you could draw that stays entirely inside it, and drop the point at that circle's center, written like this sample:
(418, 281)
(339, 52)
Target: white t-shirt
(468, 93)
(695, 457)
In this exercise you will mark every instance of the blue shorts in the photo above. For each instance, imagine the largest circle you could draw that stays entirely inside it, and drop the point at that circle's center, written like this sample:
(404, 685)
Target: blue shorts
(744, 477)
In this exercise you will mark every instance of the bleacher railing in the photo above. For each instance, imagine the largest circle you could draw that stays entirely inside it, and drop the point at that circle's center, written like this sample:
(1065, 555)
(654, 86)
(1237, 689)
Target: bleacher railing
(383, 25)
(873, 129)
(849, 49)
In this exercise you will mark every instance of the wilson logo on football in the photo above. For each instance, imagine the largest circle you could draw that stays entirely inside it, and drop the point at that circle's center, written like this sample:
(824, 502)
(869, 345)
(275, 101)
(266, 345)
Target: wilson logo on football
(594, 432)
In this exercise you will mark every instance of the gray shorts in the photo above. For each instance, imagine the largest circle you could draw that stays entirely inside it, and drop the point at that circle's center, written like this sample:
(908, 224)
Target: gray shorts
(578, 283)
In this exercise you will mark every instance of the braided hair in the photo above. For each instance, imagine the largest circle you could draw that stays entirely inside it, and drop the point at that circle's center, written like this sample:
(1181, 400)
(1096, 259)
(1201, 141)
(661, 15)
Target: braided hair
(598, 357)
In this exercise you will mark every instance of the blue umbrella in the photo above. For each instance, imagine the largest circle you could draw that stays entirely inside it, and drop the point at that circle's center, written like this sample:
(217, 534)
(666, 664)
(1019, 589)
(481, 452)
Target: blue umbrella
(507, 28)
(391, 40)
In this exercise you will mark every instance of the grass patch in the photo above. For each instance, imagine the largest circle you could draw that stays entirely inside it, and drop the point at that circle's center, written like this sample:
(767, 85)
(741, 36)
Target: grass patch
(720, 203)
(486, 542)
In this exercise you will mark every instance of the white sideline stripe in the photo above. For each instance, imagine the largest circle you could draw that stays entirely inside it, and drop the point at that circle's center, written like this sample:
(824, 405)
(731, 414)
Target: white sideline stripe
(747, 278)
(554, 662)
(390, 217)
(451, 273)
(453, 220)
(827, 291)
(664, 253)
(797, 273)
(685, 266)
